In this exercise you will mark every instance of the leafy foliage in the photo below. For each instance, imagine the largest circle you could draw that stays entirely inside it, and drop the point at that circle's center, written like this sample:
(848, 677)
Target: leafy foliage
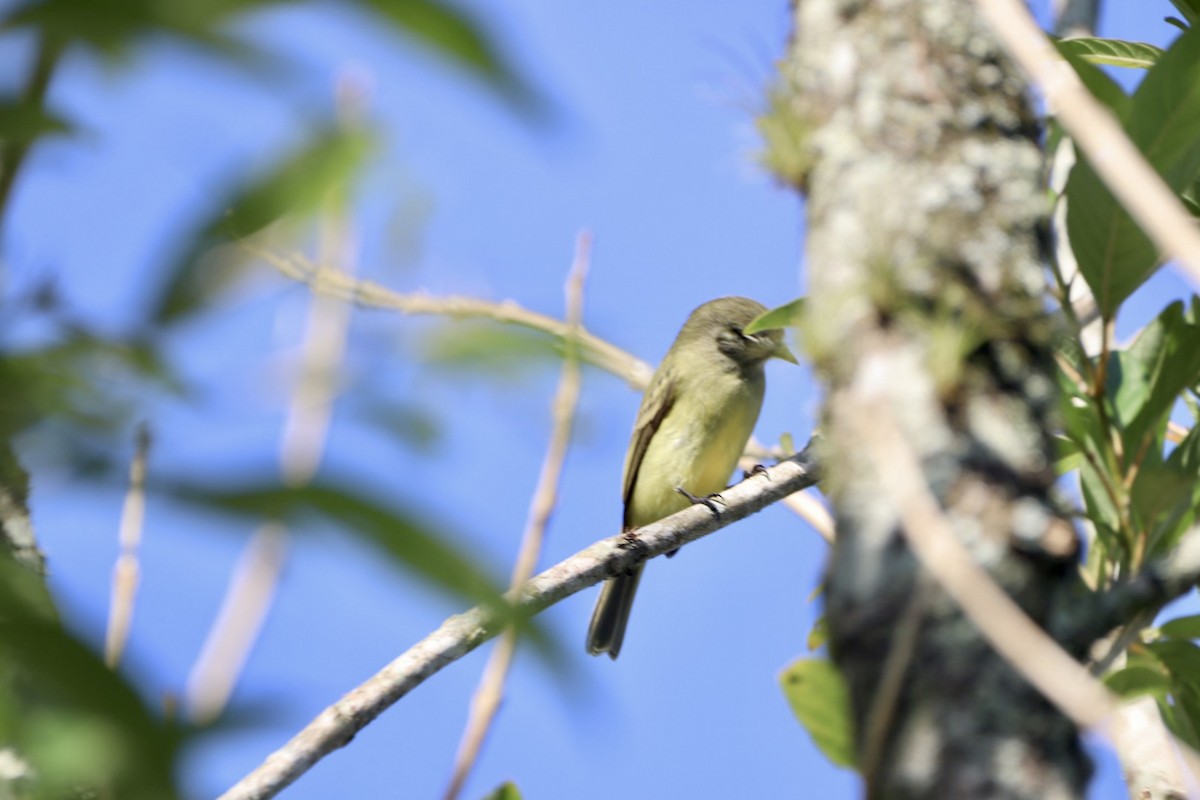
(818, 697)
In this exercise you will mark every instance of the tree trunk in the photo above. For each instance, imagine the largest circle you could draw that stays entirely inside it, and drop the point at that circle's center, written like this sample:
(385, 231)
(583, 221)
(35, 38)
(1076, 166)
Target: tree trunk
(912, 134)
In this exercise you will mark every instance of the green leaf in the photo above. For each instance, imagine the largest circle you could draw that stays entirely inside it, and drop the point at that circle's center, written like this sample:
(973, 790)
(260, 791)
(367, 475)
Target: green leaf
(70, 716)
(22, 123)
(785, 316)
(505, 791)
(1181, 628)
(1111, 52)
(479, 346)
(409, 542)
(1146, 379)
(1189, 8)
(320, 172)
(1137, 681)
(1114, 255)
(114, 26)
(457, 37)
(818, 697)
(1099, 83)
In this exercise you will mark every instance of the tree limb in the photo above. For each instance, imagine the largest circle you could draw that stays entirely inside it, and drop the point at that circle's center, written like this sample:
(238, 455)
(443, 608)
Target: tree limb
(336, 725)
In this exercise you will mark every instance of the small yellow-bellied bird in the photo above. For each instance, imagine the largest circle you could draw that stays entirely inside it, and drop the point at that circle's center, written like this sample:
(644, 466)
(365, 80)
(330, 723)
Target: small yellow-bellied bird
(692, 427)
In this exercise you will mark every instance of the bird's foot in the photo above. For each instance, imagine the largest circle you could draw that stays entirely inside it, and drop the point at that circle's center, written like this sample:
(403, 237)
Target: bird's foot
(710, 501)
(757, 469)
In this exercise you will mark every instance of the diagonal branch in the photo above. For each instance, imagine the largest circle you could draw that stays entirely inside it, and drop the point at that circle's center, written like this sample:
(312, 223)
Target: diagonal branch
(336, 725)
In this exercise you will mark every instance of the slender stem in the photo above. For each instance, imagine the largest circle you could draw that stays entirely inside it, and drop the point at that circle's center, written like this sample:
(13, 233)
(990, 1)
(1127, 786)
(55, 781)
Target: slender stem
(12, 154)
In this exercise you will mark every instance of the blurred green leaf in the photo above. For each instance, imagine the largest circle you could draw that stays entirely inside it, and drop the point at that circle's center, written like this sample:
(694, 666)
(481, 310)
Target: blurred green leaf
(113, 26)
(483, 346)
(319, 172)
(1137, 681)
(453, 34)
(818, 697)
(1189, 8)
(1181, 628)
(1181, 658)
(785, 316)
(505, 791)
(1111, 52)
(412, 543)
(1114, 255)
(21, 123)
(819, 634)
(58, 697)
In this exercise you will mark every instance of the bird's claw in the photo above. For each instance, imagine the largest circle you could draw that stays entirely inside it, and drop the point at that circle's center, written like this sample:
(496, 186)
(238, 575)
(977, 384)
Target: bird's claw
(757, 469)
(710, 502)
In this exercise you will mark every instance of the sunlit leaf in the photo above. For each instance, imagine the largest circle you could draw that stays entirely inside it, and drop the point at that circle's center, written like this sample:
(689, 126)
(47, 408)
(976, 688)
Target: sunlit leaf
(818, 697)
(1099, 83)
(1111, 52)
(1114, 255)
(785, 316)
(505, 791)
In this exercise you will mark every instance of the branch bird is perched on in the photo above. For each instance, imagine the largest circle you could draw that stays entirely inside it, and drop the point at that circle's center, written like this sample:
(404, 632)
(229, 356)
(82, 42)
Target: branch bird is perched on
(694, 422)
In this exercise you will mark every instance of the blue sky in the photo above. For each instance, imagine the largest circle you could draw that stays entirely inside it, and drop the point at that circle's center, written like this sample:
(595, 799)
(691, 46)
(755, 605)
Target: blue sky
(652, 148)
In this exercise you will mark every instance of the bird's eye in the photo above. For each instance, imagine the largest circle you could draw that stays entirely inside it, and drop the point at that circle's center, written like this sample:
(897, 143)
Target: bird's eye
(736, 329)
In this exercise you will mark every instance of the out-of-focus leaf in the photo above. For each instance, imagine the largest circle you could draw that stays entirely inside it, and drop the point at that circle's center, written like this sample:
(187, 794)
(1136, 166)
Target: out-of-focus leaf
(819, 634)
(84, 380)
(785, 316)
(406, 424)
(1181, 658)
(1189, 8)
(1114, 255)
(505, 791)
(410, 542)
(321, 171)
(62, 697)
(1136, 681)
(483, 346)
(113, 26)
(818, 697)
(21, 123)
(1182, 628)
(453, 34)
(1111, 52)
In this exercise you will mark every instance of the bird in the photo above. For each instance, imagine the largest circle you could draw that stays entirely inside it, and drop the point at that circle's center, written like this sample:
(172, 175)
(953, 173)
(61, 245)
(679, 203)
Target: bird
(693, 424)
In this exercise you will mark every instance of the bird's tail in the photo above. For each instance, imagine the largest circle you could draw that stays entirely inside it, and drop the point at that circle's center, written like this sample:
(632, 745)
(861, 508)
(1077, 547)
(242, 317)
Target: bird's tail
(607, 629)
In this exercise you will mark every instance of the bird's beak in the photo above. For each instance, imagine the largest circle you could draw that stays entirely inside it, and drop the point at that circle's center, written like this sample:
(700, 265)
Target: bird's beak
(781, 351)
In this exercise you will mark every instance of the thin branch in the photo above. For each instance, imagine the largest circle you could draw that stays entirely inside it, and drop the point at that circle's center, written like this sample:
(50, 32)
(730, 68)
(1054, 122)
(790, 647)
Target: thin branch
(486, 701)
(126, 572)
(302, 444)
(239, 621)
(336, 726)
(1116, 160)
(369, 294)
(1029, 649)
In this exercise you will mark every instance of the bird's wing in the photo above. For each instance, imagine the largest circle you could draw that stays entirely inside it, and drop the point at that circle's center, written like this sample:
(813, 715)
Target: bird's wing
(657, 402)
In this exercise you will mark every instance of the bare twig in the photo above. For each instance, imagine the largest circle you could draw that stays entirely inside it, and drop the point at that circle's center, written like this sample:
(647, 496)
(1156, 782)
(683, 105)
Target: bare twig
(486, 701)
(243, 610)
(126, 571)
(1117, 160)
(459, 635)
(302, 445)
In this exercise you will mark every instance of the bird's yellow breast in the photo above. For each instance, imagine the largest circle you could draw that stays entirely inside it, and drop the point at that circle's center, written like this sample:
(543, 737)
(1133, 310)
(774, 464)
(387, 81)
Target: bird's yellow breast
(696, 446)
